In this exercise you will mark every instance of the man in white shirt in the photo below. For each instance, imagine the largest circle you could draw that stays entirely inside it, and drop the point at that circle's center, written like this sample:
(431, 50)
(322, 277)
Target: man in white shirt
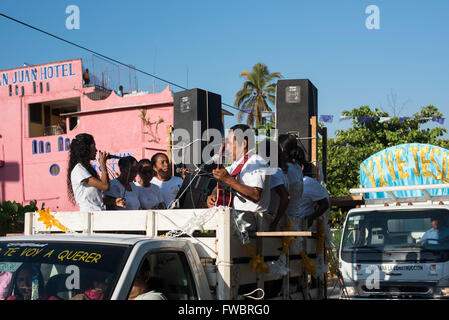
(168, 184)
(247, 175)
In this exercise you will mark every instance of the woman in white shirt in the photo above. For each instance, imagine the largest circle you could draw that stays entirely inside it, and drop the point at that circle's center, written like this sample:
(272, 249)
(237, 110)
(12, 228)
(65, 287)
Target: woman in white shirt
(295, 155)
(279, 196)
(84, 186)
(123, 187)
(150, 196)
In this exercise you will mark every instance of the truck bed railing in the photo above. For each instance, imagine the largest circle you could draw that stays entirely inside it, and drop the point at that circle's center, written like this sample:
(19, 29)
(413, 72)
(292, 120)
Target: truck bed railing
(427, 197)
(228, 266)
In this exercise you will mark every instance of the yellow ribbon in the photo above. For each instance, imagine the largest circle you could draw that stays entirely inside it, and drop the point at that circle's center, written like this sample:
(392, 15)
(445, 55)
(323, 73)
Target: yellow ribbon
(257, 262)
(333, 267)
(307, 264)
(287, 241)
(49, 220)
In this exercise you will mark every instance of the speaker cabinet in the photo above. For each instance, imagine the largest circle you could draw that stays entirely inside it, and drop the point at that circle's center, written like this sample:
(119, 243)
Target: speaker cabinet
(195, 105)
(296, 103)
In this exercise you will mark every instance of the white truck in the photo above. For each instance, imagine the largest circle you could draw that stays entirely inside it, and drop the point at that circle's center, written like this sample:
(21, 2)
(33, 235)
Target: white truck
(199, 254)
(383, 252)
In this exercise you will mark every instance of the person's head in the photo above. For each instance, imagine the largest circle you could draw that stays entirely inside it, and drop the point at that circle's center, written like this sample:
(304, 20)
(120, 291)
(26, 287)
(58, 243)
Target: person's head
(23, 281)
(307, 168)
(161, 166)
(435, 222)
(289, 145)
(145, 171)
(120, 88)
(82, 150)
(128, 168)
(238, 141)
(140, 284)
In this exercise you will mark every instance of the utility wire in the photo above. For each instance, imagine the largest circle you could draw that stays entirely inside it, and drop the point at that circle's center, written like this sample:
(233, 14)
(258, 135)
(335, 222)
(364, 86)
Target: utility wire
(109, 58)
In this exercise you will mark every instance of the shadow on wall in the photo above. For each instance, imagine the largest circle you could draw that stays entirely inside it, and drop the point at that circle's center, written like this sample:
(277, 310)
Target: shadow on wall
(9, 172)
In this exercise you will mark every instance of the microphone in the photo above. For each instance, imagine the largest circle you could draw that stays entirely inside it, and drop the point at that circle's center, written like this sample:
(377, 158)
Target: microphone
(214, 158)
(179, 170)
(111, 156)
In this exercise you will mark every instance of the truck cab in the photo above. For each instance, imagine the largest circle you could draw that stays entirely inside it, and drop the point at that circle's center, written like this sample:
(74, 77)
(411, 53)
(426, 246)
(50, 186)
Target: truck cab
(396, 249)
(86, 267)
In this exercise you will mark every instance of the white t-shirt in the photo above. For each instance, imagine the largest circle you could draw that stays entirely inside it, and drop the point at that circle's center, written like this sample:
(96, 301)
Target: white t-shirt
(117, 190)
(152, 295)
(254, 174)
(87, 198)
(149, 197)
(277, 178)
(169, 189)
(295, 188)
(313, 191)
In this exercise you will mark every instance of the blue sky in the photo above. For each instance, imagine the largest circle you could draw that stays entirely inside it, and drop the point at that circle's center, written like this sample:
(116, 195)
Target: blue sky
(324, 41)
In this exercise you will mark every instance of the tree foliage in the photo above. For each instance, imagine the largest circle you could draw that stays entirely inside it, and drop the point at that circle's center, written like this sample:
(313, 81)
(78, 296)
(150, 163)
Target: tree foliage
(350, 147)
(259, 90)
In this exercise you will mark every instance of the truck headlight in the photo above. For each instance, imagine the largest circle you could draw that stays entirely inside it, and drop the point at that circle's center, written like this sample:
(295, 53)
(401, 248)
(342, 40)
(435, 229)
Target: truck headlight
(443, 291)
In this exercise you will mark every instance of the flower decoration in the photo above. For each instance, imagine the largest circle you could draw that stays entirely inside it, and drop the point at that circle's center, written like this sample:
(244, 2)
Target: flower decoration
(257, 262)
(49, 220)
(308, 265)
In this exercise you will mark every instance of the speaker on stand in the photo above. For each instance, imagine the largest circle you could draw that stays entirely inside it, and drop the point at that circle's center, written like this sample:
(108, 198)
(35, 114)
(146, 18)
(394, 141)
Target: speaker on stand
(296, 103)
(205, 107)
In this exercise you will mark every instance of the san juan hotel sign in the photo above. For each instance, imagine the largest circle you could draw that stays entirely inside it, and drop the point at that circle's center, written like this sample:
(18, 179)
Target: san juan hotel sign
(38, 73)
(406, 164)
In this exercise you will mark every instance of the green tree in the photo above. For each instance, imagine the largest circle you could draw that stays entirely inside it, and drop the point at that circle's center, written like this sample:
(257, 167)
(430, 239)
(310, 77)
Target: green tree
(350, 147)
(257, 93)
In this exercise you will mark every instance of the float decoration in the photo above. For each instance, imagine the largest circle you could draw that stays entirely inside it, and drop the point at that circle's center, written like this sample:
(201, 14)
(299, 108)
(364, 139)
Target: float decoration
(49, 220)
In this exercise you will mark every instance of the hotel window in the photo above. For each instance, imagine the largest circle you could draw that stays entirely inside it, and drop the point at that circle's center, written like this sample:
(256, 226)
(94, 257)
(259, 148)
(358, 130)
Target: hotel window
(17, 90)
(40, 87)
(48, 86)
(60, 144)
(10, 90)
(34, 147)
(41, 147)
(23, 91)
(47, 147)
(34, 86)
(67, 144)
(36, 113)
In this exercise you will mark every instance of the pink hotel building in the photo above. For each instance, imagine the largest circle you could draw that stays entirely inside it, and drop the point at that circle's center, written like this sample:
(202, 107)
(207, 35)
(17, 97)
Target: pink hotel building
(45, 106)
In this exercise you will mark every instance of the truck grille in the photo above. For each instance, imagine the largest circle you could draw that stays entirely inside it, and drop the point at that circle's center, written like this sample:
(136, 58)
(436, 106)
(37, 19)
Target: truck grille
(395, 289)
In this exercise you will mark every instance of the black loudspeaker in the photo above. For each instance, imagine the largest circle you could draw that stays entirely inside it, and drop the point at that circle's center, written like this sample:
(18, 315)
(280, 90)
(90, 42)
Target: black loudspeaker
(189, 106)
(193, 194)
(296, 103)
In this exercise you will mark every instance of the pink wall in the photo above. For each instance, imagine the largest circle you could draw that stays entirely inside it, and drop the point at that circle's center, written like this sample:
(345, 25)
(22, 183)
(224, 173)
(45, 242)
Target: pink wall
(26, 176)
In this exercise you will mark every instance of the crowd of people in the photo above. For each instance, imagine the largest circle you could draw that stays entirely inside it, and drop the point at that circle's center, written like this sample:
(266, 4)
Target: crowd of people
(250, 183)
(144, 184)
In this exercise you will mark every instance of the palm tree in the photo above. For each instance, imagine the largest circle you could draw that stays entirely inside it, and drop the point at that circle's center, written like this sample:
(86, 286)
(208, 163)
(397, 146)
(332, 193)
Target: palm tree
(257, 91)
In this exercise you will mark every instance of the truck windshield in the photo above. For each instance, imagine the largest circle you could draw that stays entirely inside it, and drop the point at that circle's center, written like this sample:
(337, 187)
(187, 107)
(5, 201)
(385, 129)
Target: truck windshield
(416, 229)
(59, 271)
